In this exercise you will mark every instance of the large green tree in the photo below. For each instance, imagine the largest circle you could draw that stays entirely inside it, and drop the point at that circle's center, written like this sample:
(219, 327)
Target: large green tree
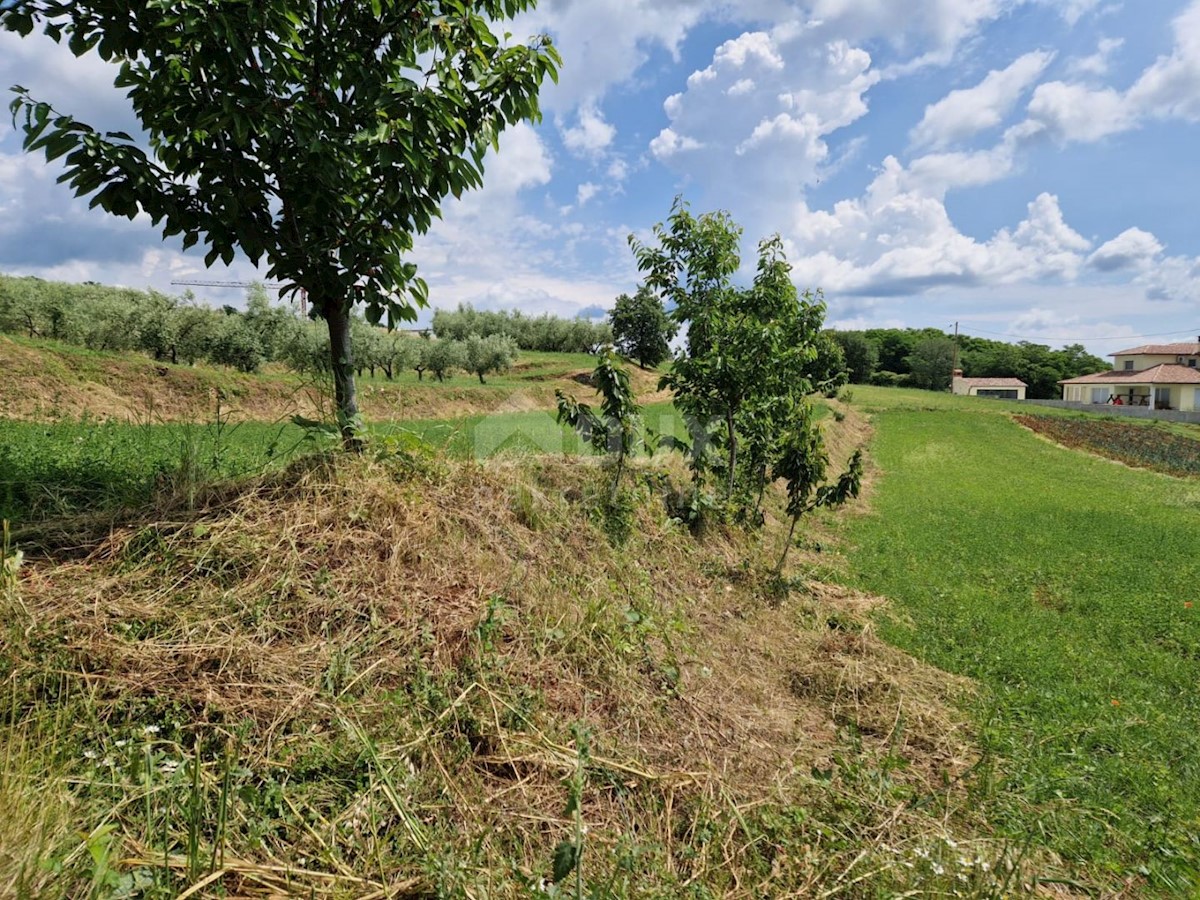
(641, 327)
(318, 136)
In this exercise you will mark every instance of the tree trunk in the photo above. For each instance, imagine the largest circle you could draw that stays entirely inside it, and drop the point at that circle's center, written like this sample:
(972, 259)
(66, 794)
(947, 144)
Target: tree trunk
(787, 545)
(481, 381)
(732, 452)
(341, 358)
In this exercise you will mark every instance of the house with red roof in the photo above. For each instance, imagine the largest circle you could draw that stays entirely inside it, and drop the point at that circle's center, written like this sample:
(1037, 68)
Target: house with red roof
(1159, 376)
(997, 388)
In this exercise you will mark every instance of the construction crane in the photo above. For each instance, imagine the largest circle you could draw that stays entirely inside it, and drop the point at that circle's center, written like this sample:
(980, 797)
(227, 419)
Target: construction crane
(269, 285)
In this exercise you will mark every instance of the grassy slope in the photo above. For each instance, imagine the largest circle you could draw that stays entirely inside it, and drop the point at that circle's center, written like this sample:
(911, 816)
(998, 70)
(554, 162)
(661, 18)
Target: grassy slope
(47, 380)
(385, 678)
(1064, 584)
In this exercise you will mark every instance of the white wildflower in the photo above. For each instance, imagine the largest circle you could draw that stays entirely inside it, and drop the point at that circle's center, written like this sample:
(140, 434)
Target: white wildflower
(938, 870)
(90, 754)
(152, 729)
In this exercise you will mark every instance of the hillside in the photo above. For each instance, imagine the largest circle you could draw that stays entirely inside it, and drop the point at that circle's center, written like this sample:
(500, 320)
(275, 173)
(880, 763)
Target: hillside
(51, 380)
(422, 673)
(386, 679)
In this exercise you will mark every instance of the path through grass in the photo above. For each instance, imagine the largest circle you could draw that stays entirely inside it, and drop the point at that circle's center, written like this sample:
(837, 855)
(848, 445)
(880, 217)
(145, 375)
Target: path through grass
(1065, 584)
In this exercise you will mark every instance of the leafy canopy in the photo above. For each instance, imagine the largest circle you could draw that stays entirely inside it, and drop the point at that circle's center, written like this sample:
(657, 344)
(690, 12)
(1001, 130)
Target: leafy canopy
(319, 136)
(641, 328)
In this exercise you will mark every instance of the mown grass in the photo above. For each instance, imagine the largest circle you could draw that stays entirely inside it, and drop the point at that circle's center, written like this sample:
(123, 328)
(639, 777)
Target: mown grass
(385, 678)
(58, 468)
(1065, 585)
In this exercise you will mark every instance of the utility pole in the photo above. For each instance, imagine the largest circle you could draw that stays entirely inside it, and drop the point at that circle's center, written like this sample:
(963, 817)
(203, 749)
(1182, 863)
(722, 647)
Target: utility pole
(954, 365)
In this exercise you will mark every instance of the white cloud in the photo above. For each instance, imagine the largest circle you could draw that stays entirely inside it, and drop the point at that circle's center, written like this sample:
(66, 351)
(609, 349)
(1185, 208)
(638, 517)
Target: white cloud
(1131, 248)
(586, 192)
(668, 144)
(1167, 89)
(943, 23)
(1097, 63)
(1072, 112)
(774, 137)
(523, 162)
(591, 136)
(963, 113)
(1170, 88)
(1072, 10)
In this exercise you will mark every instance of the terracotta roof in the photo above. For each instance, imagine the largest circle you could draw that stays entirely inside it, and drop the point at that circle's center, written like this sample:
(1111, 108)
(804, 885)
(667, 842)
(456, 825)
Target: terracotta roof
(1188, 349)
(991, 382)
(1165, 373)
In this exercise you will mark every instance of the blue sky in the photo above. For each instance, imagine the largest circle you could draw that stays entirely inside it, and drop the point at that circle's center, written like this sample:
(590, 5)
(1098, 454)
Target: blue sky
(1024, 167)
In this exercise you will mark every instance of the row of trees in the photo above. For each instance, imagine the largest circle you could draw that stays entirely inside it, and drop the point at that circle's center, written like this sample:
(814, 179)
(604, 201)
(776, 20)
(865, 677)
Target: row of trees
(182, 330)
(925, 358)
(377, 350)
(169, 329)
(545, 332)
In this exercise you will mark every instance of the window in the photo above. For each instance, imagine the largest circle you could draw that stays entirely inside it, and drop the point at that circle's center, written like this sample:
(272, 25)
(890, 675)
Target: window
(1192, 363)
(1129, 365)
(1162, 398)
(1101, 394)
(1004, 394)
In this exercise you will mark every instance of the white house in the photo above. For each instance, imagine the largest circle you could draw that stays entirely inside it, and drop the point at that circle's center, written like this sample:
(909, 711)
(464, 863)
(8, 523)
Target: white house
(1164, 376)
(997, 388)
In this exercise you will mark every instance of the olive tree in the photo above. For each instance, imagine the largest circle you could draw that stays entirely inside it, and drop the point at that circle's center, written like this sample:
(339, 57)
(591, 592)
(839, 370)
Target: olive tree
(314, 135)
(494, 353)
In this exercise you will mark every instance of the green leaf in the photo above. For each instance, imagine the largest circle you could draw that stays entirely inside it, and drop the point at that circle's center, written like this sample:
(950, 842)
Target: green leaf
(566, 858)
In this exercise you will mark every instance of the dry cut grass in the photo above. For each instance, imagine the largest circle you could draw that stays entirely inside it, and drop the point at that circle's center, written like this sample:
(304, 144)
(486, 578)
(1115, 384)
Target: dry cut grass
(381, 678)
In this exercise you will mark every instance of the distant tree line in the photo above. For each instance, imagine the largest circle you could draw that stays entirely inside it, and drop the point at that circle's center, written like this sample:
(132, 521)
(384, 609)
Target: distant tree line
(924, 358)
(185, 331)
(545, 332)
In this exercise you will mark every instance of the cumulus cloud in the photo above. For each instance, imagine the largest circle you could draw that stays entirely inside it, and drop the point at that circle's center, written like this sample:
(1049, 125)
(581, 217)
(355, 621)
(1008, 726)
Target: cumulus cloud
(591, 136)
(898, 238)
(586, 192)
(963, 113)
(1073, 112)
(1167, 89)
(1131, 248)
(776, 136)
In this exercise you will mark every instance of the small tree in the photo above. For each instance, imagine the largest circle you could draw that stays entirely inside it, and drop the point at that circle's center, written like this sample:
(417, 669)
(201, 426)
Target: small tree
(641, 328)
(319, 137)
(420, 357)
(235, 344)
(802, 462)
(446, 356)
(495, 353)
(747, 350)
(615, 430)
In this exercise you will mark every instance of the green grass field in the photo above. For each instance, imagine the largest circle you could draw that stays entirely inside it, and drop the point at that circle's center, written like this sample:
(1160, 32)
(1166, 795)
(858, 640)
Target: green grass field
(1064, 584)
(50, 469)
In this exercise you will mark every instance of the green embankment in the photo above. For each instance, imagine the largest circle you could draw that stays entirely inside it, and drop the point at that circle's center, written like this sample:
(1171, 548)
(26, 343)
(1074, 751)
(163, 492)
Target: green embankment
(1064, 584)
